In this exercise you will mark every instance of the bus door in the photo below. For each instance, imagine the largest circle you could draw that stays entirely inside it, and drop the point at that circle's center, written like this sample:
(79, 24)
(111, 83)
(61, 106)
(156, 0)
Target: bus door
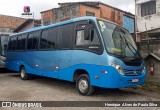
(49, 58)
(66, 45)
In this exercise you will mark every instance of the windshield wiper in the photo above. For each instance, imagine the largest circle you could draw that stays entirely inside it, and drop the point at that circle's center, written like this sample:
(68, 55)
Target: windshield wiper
(117, 55)
(128, 43)
(121, 45)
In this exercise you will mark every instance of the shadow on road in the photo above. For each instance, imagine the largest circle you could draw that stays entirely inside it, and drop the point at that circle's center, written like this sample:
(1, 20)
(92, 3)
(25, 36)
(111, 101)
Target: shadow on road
(4, 70)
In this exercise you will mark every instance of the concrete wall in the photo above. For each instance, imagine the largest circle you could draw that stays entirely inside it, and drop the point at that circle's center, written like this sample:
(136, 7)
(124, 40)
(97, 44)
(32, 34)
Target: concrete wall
(65, 13)
(9, 22)
(146, 47)
(147, 22)
(6, 30)
(156, 76)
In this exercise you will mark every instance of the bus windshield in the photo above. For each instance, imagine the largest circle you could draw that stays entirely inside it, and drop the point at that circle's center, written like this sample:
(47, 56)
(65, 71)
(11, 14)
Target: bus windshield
(118, 41)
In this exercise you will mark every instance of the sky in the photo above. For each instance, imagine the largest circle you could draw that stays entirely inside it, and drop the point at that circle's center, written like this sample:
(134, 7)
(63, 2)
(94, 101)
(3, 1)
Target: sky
(15, 7)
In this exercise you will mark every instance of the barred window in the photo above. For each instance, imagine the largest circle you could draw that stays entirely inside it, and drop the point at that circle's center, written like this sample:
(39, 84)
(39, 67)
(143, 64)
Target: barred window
(148, 8)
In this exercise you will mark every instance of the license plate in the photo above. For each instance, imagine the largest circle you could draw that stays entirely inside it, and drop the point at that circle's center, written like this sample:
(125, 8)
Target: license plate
(135, 80)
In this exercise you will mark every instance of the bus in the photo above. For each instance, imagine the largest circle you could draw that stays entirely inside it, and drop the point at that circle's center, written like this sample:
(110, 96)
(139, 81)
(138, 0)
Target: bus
(4, 38)
(90, 51)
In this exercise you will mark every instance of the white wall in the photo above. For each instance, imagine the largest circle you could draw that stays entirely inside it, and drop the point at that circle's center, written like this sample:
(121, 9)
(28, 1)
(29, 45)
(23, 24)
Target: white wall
(147, 22)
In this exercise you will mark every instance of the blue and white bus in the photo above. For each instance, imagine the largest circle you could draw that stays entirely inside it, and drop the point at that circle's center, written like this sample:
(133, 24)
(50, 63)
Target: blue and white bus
(4, 38)
(89, 51)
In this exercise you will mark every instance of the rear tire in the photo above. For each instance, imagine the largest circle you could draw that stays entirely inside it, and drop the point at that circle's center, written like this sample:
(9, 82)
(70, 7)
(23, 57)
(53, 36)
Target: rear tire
(83, 85)
(23, 74)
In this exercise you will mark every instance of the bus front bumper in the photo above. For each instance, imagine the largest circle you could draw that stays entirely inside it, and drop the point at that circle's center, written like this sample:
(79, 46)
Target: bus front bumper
(112, 79)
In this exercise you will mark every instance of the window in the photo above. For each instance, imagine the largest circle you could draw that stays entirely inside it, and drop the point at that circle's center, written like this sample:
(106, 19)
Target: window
(19, 42)
(67, 36)
(12, 43)
(90, 13)
(32, 41)
(35, 41)
(148, 8)
(43, 42)
(29, 41)
(81, 41)
(48, 39)
(46, 23)
(23, 41)
(52, 35)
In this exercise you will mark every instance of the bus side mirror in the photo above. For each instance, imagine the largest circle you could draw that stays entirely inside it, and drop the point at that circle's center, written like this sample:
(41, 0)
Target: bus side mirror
(91, 34)
(86, 33)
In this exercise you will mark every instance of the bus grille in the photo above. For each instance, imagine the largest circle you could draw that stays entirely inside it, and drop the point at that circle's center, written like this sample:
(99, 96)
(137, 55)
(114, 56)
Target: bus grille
(132, 72)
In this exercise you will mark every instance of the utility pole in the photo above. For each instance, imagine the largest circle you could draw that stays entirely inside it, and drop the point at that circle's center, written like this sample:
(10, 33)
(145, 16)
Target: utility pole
(136, 22)
(33, 20)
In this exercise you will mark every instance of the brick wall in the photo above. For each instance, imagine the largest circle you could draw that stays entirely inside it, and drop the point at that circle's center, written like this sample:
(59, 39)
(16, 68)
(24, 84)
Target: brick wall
(47, 16)
(10, 22)
(79, 10)
(111, 14)
(84, 8)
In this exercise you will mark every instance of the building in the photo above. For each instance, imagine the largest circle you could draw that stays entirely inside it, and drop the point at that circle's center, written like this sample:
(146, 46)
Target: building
(9, 23)
(148, 26)
(28, 24)
(148, 15)
(71, 10)
(148, 35)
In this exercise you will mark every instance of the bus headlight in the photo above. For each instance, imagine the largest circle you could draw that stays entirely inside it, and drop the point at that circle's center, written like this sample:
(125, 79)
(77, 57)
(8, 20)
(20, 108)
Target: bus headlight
(117, 67)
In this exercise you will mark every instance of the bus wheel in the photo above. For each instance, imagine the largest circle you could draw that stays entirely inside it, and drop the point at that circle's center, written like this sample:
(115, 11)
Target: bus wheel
(83, 85)
(24, 75)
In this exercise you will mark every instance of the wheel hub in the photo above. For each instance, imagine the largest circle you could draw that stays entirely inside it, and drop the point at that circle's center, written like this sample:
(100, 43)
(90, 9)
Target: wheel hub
(83, 85)
(22, 73)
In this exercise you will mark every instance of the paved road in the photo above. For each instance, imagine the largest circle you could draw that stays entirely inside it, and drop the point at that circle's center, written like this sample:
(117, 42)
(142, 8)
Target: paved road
(12, 88)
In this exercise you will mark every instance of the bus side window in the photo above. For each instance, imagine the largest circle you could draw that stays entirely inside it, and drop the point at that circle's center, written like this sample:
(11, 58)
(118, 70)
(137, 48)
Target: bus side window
(52, 36)
(23, 41)
(80, 37)
(9, 45)
(19, 42)
(29, 41)
(43, 41)
(67, 36)
(32, 41)
(12, 44)
(0, 46)
(35, 41)
(80, 40)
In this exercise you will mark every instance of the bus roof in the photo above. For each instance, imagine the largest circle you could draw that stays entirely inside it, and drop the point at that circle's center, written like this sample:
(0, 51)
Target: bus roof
(62, 23)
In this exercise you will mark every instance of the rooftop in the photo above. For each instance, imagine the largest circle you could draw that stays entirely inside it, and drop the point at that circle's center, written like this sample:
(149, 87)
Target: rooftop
(94, 4)
(36, 23)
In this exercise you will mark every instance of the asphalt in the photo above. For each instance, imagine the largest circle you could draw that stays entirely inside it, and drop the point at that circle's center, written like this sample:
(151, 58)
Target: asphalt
(12, 88)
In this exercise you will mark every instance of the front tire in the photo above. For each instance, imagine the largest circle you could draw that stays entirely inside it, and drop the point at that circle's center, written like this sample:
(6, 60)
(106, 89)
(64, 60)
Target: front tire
(83, 85)
(23, 74)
